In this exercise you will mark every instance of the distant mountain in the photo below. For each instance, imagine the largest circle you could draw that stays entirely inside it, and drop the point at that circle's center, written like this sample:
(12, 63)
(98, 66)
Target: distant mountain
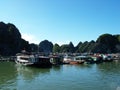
(12, 43)
(45, 46)
(10, 40)
(106, 43)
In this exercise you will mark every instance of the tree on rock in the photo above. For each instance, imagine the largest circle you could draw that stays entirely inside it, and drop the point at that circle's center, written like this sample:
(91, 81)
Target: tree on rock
(10, 38)
(108, 41)
(45, 46)
(56, 48)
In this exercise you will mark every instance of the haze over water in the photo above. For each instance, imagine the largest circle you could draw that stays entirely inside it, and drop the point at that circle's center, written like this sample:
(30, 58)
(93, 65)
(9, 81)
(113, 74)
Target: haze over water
(104, 76)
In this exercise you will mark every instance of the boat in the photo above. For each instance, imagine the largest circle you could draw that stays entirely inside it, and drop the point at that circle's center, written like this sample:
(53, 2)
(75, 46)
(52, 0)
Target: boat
(42, 61)
(74, 62)
(107, 58)
(88, 60)
(73, 59)
(33, 60)
(97, 59)
(67, 59)
(25, 60)
(77, 60)
(56, 60)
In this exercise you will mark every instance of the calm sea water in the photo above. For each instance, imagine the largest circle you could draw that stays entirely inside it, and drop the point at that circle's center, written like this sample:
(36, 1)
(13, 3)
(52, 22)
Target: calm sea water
(104, 76)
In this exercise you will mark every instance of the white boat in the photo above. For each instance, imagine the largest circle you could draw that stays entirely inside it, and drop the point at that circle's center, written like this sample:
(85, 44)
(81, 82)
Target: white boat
(80, 58)
(33, 60)
(74, 59)
(67, 59)
(107, 57)
(25, 59)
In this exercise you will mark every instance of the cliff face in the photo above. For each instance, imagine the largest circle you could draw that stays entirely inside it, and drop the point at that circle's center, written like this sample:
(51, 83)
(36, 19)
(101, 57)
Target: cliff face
(12, 43)
(45, 46)
(10, 39)
(106, 43)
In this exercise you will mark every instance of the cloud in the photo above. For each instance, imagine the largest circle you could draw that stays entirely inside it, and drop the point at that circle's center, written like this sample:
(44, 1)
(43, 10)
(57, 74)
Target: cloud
(31, 38)
(62, 42)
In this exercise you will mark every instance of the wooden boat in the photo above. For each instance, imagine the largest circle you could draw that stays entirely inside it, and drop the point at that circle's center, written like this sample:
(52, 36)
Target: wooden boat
(56, 60)
(75, 62)
(43, 61)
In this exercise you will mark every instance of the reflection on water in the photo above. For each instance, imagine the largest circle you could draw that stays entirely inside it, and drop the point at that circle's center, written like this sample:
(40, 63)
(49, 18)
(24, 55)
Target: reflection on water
(104, 76)
(30, 73)
(8, 75)
(109, 67)
(110, 74)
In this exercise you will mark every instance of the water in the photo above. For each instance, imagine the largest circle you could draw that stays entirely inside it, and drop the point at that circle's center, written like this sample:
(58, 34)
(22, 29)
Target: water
(104, 76)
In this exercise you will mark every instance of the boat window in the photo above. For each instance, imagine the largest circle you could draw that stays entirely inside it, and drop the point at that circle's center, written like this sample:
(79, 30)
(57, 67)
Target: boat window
(24, 58)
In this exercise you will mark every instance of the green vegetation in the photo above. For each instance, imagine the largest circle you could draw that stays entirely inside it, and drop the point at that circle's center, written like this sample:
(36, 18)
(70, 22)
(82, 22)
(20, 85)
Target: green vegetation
(56, 48)
(10, 40)
(33, 47)
(12, 43)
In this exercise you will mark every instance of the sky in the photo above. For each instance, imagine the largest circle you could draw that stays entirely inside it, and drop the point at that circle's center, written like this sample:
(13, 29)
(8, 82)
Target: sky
(62, 21)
